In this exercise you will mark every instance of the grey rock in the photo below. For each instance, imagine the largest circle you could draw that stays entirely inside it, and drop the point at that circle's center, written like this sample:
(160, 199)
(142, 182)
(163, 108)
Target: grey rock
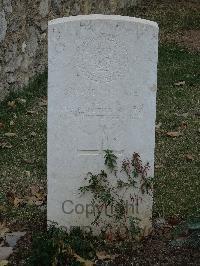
(43, 25)
(11, 78)
(14, 24)
(7, 6)
(43, 8)
(32, 42)
(56, 5)
(12, 238)
(3, 26)
(26, 63)
(23, 47)
(160, 222)
(5, 252)
(43, 36)
(14, 64)
(11, 52)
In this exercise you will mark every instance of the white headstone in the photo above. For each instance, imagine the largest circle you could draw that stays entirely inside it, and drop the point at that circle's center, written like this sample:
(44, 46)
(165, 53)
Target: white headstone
(102, 95)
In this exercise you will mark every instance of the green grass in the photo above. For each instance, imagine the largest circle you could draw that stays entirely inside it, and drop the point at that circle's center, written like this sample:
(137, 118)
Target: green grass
(27, 152)
(172, 16)
(177, 181)
(176, 64)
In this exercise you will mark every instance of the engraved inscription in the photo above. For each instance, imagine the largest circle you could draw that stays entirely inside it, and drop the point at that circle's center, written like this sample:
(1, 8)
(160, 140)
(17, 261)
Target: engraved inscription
(98, 112)
(102, 58)
(97, 152)
(133, 112)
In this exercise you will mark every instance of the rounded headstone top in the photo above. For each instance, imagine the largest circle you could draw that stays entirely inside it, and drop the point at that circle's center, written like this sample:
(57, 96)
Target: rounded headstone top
(102, 17)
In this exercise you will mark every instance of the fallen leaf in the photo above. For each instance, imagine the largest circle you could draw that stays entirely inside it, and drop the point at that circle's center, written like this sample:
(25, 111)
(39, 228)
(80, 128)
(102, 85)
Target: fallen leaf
(2, 208)
(158, 126)
(185, 115)
(5, 252)
(174, 134)
(31, 112)
(12, 104)
(3, 229)
(173, 220)
(34, 190)
(27, 173)
(10, 134)
(34, 201)
(24, 138)
(12, 238)
(13, 200)
(17, 202)
(5, 145)
(1, 125)
(20, 100)
(43, 103)
(3, 262)
(39, 202)
(184, 125)
(40, 196)
(158, 166)
(104, 256)
(10, 197)
(110, 236)
(160, 223)
(33, 134)
(8, 146)
(28, 161)
(180, 83)
(189, 157)
(81, 260)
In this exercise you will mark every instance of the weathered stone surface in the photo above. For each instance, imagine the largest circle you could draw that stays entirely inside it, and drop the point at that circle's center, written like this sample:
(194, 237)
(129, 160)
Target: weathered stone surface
(3, 26)
(5, 252)
(43, 8)
(56, 6)
(12, 238)
(102, 95)
(7, 6)
(23, 27)
(44, 25)
(14, 64)
(32, 42)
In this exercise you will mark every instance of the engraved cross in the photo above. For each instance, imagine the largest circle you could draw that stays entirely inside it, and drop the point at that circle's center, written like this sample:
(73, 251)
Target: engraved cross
(98, 152)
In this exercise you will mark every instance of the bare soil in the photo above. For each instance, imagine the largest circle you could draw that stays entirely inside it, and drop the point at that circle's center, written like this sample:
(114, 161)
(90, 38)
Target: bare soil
(189, 39)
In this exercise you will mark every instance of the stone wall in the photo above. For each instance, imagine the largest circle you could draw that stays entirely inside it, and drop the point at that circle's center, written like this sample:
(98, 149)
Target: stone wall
(23, 34)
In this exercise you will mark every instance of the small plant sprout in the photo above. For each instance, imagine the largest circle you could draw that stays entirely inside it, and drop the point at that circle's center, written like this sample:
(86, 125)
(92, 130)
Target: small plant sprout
(110, 160)
(109, 198)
